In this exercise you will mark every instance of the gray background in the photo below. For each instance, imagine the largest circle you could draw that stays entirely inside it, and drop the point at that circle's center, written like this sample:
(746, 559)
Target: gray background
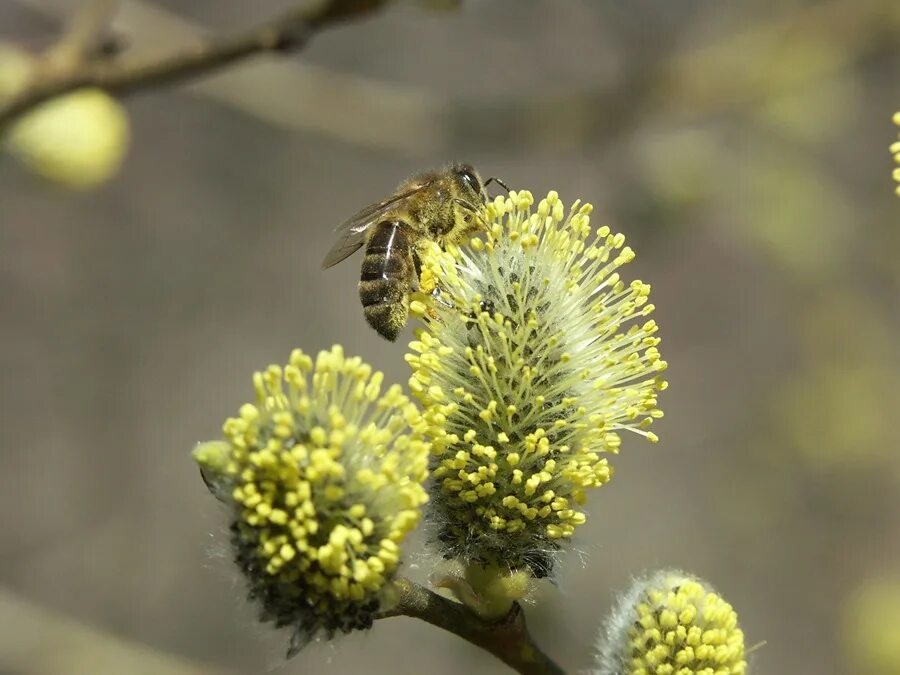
(742, 148)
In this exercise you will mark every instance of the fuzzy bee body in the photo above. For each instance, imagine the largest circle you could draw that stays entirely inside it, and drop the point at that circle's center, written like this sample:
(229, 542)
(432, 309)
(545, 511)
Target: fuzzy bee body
(441, 206)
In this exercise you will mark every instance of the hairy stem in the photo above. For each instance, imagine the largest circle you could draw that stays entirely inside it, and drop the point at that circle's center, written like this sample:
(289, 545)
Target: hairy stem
(289, 32)
(508, 638)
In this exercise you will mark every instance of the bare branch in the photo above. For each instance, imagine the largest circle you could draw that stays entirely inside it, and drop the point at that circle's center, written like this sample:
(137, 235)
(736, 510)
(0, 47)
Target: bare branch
(84, 33)
(289, 32)
(507, 639)
(30, 627)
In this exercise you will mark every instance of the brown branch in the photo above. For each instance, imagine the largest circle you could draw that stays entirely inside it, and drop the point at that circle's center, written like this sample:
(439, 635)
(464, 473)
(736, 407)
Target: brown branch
(289, 32)
(77, 646)
(507, 639)
(83, 35)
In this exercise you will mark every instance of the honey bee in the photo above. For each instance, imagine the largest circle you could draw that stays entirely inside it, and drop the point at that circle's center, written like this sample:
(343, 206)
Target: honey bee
(443, 206)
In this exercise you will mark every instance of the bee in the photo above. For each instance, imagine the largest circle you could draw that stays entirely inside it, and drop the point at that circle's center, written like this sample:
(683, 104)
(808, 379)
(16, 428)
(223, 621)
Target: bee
(443, 206)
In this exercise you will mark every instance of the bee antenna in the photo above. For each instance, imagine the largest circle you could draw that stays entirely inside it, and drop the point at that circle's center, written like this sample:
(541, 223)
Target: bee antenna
(494, 179)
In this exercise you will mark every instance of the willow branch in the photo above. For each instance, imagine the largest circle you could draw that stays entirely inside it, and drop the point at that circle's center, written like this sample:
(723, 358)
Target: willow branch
(77, 647)
(507, 639)
(289, 32)
(85, 31)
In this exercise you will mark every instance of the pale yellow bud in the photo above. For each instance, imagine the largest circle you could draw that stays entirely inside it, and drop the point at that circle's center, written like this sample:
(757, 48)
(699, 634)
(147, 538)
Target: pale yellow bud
(77, 140)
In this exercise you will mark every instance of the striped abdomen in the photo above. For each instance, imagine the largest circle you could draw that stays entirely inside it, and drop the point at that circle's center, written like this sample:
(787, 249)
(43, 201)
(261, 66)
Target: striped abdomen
(388, 276)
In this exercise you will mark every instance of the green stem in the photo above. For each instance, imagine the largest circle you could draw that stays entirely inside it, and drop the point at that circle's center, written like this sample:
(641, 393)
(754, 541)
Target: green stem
(508, 638)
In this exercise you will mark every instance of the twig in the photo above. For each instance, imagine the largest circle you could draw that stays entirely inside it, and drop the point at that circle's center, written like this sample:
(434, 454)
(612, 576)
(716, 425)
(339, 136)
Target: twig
(694, 83)
(84, 33)
(507, 639)
(286, 33)
(77, 647)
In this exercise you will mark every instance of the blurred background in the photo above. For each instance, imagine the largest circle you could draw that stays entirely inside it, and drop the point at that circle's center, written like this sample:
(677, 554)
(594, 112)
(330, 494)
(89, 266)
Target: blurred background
(742, 147)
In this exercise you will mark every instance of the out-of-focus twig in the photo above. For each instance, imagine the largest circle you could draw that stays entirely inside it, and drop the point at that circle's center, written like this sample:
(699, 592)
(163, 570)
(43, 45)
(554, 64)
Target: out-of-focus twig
(84, 33)
(508, 639)
(290, 94)
(687, 85)
(775, 57)
(690, 84)
(37, 640)
(285, 33)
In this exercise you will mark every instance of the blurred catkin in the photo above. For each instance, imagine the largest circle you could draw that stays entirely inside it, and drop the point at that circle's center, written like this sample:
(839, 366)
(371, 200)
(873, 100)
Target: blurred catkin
(77, 140)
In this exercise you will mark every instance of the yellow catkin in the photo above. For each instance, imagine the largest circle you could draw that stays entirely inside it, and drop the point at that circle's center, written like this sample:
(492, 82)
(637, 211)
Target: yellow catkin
(325, 472)
(534, 356)
(672, 623)
(895, 151)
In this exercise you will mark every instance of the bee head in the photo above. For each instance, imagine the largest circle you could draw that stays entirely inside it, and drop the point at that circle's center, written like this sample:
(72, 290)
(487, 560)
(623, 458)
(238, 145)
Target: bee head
(469, 184)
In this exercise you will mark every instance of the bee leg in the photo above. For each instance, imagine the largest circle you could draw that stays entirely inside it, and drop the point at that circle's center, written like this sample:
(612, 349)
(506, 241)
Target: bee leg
(465, 204)
(436, 294)
(417, 265)
(436, 297)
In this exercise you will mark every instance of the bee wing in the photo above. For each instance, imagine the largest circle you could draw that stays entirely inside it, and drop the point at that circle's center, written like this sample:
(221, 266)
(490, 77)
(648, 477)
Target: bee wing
(349, 243)
(352, 232)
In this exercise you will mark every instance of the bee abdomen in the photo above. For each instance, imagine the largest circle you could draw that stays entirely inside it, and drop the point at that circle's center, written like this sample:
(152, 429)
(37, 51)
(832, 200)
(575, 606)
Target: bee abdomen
(378, 265)
(385, 305)
(389, 320)
(381, 292)
(387, 272)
